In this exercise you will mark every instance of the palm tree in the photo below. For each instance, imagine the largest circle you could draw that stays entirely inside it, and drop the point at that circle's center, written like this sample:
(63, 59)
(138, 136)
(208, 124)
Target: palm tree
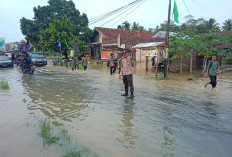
(227, 25)
(211, 25)
(135, 26)
(126, 25)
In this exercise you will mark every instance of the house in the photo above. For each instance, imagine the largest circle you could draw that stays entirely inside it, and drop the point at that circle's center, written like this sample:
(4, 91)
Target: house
(107, 40)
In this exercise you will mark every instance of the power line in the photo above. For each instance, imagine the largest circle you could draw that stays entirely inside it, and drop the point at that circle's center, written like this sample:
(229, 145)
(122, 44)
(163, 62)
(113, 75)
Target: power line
(122, 13)
(128, 14)
(186, 7)
(104, 16)
(206, 8)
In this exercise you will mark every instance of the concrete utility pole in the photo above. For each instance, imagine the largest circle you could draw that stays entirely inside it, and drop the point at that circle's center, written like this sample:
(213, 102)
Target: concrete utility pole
(167, 39)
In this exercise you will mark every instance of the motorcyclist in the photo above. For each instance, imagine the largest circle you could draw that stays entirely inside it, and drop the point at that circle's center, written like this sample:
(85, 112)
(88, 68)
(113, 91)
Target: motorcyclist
(26, 62)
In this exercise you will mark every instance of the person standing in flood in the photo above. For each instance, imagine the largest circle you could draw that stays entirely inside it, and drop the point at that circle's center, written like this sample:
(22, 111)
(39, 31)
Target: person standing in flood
(66, 63)
(119, 66)
(76, 62)
(112, 65)
(213, 71)
(85, 63)
(126, 73)
(73, 63)
(61, 61)
(55, 60)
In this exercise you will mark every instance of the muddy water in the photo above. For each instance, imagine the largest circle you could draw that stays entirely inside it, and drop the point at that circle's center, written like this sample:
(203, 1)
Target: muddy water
(166, 118)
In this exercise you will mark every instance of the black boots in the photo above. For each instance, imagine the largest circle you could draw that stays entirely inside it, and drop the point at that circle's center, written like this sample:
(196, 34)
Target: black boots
(125, 94)
(131, 96)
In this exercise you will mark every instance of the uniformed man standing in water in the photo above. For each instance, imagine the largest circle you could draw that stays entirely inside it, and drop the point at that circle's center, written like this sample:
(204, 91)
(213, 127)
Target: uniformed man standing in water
(126, 73)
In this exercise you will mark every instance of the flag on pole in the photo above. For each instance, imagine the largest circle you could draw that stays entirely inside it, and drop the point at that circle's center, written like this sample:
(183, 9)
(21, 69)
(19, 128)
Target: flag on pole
(175, 13)
(59, 43)
(66, 43)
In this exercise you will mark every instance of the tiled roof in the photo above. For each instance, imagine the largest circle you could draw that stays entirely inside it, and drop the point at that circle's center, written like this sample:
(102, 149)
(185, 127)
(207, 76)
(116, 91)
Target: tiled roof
(129, 37)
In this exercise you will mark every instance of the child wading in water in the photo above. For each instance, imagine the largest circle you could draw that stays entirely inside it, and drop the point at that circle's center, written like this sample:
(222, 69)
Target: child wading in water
(212, 72)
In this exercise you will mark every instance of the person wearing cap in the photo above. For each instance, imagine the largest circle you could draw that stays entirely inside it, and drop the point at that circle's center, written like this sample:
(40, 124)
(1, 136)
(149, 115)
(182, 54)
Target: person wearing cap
(126, 73)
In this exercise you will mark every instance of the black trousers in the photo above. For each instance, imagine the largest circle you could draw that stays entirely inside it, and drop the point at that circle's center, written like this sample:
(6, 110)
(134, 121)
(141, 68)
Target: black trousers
(112, 70)
(213, 81)
(128, 82)
(76, 66)
(119, 71)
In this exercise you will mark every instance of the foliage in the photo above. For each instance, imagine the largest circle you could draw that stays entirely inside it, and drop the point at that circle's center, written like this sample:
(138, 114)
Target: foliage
(4, 84)
(125, 25)
(228, 59)
(46, 133)
(227, 25)
(47, 18)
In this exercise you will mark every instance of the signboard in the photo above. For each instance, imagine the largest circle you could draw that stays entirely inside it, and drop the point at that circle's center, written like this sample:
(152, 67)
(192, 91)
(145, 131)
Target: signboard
(150, 51)
(105, 53)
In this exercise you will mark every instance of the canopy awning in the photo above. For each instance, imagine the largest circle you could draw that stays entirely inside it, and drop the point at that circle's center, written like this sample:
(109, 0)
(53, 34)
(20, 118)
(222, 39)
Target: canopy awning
(151, 44)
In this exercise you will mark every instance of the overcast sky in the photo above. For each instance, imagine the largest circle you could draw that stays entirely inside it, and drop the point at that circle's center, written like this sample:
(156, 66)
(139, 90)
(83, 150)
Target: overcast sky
(149, 14)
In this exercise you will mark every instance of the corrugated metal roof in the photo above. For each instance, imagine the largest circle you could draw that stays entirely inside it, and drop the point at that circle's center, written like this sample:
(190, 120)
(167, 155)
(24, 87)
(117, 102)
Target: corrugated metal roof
(150, 44)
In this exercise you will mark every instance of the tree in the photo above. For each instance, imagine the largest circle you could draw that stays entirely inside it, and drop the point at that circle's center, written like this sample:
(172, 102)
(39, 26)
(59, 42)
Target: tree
(227, 25)
(135, 26)
(46, 15)
(126, 25)
(212, 25)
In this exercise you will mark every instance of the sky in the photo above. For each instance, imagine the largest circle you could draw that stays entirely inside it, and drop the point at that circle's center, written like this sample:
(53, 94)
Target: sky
(150, 14)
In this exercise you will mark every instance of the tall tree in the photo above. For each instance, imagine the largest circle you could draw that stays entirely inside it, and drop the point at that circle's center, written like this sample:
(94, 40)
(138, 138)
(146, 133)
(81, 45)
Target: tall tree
(212, 25)
(227, 25)
(126, 25)
(45, 15)
(135, 26)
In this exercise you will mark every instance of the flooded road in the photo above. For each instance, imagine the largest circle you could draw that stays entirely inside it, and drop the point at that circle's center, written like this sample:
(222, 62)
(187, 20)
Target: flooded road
(167, 118)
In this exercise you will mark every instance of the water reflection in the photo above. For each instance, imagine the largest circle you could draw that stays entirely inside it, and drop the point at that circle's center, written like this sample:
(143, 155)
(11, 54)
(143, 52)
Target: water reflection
(127, 126)
(65, 97)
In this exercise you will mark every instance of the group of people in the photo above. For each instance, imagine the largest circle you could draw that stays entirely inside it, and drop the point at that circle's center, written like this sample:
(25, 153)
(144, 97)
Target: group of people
(74, 62)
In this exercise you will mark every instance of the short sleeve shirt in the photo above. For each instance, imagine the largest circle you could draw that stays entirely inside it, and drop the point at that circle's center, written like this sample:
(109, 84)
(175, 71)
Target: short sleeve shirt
(126, 66)
(213, 70)
(111, 61)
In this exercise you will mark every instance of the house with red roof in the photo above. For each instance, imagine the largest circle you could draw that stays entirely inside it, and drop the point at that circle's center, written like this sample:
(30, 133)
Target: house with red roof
(107, 40)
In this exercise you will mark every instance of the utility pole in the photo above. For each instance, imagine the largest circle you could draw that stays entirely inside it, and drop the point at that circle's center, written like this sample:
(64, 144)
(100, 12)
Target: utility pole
(167, 40)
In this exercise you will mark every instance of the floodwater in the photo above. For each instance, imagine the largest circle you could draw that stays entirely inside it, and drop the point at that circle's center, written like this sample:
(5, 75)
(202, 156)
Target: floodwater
(167, 118)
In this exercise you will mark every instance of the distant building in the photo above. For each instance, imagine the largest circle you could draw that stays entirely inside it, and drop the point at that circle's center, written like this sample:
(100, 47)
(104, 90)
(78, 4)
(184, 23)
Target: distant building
(108, 40)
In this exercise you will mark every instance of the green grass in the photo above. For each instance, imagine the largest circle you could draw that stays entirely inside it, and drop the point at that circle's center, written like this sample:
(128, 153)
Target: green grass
(62, 140)
(46, 133)
(4, 84)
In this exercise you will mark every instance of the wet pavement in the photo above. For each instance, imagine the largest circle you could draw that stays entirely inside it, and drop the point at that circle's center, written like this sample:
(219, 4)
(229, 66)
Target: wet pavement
(167, 118)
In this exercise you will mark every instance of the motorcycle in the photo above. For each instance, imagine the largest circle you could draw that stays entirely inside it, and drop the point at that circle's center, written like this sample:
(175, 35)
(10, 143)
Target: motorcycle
(28, 69)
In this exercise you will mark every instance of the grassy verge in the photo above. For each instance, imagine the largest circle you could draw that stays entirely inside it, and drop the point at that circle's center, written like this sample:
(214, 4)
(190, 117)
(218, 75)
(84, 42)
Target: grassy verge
(80, 65)
(62, 140)
(4, 84)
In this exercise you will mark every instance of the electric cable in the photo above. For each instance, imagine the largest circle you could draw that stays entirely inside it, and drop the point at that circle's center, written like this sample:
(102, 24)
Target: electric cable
(186, 7)
(128, 14)
(122, 13)
(104, 16)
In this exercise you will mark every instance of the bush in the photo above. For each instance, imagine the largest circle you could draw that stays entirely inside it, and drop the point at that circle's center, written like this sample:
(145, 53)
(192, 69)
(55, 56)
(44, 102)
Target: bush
(228, 59)
(4, 84)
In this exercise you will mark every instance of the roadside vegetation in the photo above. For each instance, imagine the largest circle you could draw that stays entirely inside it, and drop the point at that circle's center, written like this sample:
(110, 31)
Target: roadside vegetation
(4, 84)
(61, 139)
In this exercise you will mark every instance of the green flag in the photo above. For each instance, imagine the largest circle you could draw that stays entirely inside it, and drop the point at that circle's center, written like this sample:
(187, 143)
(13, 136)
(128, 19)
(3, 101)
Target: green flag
(175, 12)
(66, 43)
